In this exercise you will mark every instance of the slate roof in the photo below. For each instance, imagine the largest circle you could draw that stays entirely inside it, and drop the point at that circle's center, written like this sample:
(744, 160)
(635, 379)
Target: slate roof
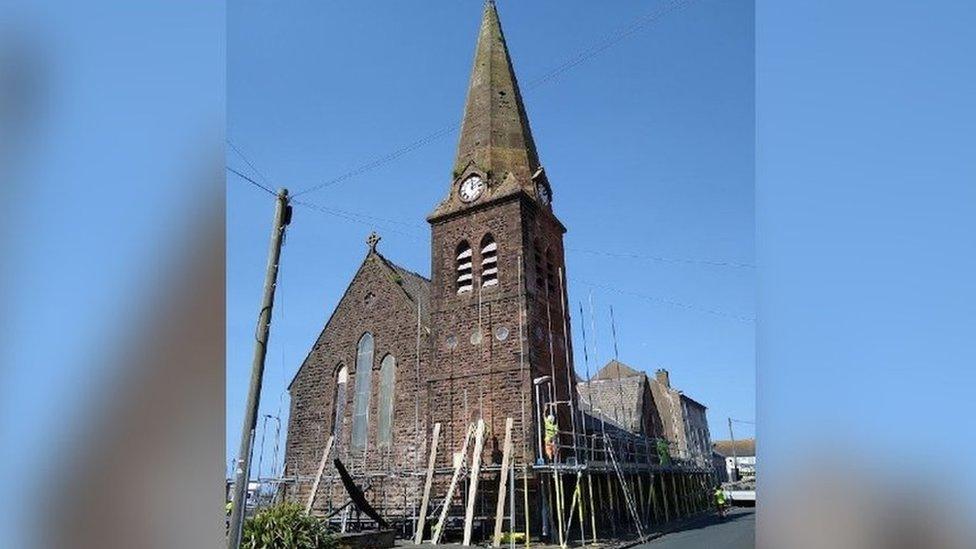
(621, 399)
(614, 369)
(416, 285)
(743, 448)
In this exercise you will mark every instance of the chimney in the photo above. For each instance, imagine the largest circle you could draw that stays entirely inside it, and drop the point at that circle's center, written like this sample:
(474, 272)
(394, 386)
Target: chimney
(662, 377)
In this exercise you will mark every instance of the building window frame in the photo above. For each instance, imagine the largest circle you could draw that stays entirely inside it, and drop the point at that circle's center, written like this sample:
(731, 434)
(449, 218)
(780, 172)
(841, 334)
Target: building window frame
(464, 267)
(365, 351)
(489, 261)
(387, 400)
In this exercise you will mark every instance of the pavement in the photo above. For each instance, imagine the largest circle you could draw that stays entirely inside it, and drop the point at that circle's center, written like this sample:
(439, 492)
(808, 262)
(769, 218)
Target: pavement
(736, 531)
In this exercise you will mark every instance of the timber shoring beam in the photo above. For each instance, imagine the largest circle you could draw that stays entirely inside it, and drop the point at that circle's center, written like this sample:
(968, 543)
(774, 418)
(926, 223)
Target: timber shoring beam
(503, 483)
(459, 460)
(422, 517)
(318, 476)
(473, 487)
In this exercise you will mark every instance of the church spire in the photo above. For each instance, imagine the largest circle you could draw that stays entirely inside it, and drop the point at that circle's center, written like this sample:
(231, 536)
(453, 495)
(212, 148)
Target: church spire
(495, 133)
(496, 156)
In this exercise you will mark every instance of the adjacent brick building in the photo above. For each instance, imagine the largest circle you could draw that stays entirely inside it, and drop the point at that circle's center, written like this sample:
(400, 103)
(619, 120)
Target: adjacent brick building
(633, 401)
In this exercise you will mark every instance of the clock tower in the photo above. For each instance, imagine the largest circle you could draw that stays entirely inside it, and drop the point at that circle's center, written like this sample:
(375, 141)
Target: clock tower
(498, 288)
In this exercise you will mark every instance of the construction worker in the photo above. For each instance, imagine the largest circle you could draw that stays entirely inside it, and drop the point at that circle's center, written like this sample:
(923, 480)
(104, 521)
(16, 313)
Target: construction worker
(551, 430)
(720, 500)
(663, 455)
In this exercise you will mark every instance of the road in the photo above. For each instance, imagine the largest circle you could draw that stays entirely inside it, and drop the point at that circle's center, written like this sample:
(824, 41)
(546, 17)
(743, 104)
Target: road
(735, 531)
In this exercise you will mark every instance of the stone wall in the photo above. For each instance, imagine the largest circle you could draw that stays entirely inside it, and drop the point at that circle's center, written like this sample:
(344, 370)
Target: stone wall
(483, 375)
(374, 302)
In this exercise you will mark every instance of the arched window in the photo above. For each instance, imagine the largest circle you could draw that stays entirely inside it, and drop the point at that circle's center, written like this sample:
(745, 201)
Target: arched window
(489, 261)
(360, 405)
(550, 272)
(539, 281)
(384, 423)
(464, 279)
(341, 394)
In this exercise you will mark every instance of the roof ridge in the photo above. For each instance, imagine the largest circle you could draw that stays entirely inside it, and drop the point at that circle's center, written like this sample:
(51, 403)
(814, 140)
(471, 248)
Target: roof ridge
(396, 266)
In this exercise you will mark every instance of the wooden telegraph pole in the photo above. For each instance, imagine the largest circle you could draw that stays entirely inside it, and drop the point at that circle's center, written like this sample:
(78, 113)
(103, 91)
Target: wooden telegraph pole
(735, 458)
(241, 473)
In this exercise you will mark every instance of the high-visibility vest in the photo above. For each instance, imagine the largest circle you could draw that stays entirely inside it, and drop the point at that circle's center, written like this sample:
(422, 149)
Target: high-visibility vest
(720, 497)
(551, 430)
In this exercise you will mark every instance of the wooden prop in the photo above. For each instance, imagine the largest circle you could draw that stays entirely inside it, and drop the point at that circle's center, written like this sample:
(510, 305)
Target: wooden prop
(422, 519)
(459, 459)
(503, 483)
(479, 442)
(318, 475)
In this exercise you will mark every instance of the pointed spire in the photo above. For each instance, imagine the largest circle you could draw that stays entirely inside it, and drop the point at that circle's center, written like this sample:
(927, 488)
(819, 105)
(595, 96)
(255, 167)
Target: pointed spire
(495, 131)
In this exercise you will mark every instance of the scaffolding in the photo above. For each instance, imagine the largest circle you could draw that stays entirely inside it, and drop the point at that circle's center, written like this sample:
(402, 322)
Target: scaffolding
(624, 474)
(604, 481)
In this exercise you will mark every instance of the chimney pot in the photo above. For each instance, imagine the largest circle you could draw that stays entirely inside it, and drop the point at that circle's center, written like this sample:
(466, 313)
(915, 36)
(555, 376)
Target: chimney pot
(663, 378)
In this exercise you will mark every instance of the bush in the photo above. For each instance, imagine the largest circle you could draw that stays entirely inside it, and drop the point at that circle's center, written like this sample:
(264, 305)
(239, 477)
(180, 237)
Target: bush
(285, 526)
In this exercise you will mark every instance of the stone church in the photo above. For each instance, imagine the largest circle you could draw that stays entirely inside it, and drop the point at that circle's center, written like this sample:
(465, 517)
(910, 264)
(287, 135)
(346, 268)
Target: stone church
(402, 352)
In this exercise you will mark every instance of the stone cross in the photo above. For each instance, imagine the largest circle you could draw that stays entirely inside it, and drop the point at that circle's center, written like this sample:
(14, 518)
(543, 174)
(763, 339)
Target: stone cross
(372, 241)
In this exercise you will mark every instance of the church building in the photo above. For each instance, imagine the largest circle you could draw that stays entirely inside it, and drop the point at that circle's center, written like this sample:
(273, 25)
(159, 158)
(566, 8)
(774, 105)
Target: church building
(486, 337)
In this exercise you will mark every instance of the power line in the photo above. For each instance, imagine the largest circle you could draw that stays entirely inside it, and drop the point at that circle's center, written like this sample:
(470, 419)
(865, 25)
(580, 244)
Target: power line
(580, 250)
(665, 301)
(248, 161)
(665, 259)
(357, 218)
(362, 215)
(251, 181)
(373, 220)
(608, 41)
(385, 159)
(583, 56)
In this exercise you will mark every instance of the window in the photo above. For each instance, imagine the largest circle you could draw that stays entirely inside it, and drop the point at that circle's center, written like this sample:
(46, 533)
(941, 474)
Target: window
(341, 394)
(360, 406)
(538, 267)
(384, 423)
(464, 280)
(550, 272)
(489, 262)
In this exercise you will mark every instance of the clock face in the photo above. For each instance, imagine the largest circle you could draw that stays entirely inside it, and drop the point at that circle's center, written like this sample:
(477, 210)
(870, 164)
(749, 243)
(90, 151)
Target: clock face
(543, 193)
(471, 188)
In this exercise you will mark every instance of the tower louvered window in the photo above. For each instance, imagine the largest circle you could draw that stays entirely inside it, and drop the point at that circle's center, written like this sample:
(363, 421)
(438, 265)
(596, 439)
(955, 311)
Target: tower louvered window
(550, 272)
(538, 267)
(465, 281)
(489, 262)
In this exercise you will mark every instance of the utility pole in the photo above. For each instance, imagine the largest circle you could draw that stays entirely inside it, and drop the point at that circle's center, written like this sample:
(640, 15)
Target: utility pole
(241, 473)
(735, 459)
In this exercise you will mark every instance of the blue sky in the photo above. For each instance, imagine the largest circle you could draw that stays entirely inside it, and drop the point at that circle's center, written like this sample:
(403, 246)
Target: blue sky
(649, 146)
(866, 242)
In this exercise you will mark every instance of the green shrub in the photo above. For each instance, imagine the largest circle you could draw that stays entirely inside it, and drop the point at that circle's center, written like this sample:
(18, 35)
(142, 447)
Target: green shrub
(285, 526)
